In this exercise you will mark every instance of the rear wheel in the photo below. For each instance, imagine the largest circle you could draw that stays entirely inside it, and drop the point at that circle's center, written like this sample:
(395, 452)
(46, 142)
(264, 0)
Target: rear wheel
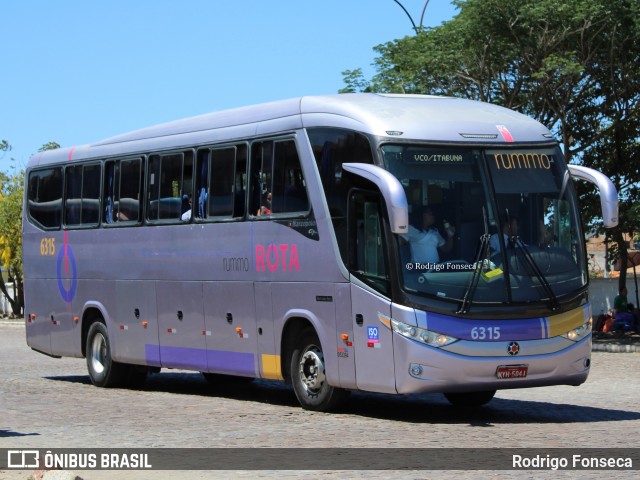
(470, 399)
(308, 375)
(103, 371)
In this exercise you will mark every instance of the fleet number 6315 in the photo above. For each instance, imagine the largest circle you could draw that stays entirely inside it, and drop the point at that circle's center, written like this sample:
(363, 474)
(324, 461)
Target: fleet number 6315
(48, 247)
(485, 333)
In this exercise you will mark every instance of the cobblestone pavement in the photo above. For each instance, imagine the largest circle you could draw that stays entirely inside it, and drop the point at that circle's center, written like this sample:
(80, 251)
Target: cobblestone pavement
(50, 403)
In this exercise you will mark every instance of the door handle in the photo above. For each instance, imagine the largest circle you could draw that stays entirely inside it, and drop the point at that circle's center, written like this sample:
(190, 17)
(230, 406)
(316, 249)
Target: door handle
(359, 319)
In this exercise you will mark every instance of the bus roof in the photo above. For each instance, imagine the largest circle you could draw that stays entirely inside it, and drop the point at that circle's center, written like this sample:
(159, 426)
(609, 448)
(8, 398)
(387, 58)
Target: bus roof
(415, 117)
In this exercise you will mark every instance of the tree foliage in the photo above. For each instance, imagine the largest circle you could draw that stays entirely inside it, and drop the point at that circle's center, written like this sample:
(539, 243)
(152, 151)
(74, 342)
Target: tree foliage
(11, 233)
(11, 198)
(574, 65)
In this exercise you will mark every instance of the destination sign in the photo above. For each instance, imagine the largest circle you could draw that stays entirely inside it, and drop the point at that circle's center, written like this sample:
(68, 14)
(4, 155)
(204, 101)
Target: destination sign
(436, 157)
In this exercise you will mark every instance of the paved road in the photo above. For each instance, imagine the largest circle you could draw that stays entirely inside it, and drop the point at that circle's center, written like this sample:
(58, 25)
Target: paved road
(50, 403)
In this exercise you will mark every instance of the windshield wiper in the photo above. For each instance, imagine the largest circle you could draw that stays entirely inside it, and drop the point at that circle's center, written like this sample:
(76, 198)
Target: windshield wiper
(533, 266)
(481, 256)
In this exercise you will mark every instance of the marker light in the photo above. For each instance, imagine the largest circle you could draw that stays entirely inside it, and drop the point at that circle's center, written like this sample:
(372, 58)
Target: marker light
(421, 335)
(579, 333)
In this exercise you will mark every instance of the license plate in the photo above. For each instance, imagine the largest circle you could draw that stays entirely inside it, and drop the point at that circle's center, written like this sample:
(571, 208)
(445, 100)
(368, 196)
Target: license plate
(512, 371)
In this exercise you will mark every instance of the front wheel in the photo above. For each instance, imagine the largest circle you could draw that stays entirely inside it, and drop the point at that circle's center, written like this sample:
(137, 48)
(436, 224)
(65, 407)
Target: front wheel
(470, 399)
(308, 376)
(103, 371)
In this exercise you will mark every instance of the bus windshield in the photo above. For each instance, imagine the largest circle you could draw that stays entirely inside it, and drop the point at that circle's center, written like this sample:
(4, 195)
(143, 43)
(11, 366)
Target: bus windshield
(488, 225)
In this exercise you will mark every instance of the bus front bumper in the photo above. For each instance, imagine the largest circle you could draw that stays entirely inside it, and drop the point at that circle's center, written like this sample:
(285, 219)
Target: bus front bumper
(420, 368)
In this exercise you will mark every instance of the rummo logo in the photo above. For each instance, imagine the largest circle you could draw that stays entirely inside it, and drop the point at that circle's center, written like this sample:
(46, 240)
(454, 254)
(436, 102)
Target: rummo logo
(22, 459)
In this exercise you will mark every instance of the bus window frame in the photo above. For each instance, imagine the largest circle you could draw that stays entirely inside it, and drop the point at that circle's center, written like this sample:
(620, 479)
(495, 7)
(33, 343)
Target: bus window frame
(147, 172)
(32, 220)
(210, 149)
(251, 181)
(142, 159)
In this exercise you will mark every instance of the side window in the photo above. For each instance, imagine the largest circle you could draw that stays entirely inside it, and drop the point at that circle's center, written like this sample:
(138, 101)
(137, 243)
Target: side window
(203, 165)
(367, 259)
(240, 182)
(221, 177)
(170, 194)
(260, 198)
(289, 188)
(45, 197)
(278, 184)
(82, 196)
(331, 148)
(221, 185)
(122, 187)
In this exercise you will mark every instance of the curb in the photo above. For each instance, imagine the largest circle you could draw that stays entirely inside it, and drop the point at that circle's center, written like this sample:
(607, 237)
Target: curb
(13, 323)
(613, 348)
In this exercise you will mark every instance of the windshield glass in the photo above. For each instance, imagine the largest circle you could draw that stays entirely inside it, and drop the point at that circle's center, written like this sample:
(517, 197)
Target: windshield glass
(493, 225)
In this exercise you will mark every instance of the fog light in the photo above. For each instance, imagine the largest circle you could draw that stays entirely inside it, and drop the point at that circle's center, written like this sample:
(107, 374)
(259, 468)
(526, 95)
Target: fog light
(416, 370)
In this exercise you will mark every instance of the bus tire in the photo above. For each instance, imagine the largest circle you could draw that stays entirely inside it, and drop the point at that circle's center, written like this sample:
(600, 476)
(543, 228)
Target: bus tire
(470, 399)
(103, 371)
(308, 375)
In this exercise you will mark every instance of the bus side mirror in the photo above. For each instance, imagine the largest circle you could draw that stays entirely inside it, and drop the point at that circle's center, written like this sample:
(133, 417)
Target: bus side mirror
(391, 190)
(608, 193)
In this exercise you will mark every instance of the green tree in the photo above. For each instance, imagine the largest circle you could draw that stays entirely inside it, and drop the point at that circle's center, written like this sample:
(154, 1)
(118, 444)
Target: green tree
(4, 146)
(11, 202)
(49, 146)
(11, 233)
(574, 65)
(11, 237)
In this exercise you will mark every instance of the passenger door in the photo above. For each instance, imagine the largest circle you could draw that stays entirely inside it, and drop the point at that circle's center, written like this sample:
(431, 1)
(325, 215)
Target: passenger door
(371, 307)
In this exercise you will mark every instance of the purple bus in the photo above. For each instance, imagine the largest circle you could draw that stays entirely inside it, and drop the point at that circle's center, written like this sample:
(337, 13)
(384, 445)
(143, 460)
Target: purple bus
(386, 243)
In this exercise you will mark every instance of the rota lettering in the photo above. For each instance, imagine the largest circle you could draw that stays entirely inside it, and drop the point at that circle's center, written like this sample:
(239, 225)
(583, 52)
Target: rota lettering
(274, 257)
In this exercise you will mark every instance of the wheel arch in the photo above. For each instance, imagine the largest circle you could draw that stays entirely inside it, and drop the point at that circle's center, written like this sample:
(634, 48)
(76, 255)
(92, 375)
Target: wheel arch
(295, 321)
(92, 312)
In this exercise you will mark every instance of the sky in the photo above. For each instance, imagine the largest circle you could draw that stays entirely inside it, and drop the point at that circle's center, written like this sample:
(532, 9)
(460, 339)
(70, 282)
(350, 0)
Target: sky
(79, 71)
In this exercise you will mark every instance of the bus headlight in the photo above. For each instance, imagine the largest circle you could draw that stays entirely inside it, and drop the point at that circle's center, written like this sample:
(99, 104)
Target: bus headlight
(579, 333)
(433, 339)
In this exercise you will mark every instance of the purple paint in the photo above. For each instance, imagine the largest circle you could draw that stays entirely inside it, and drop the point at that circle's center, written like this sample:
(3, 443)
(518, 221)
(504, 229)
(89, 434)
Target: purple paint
(484, 330)
(233, 363)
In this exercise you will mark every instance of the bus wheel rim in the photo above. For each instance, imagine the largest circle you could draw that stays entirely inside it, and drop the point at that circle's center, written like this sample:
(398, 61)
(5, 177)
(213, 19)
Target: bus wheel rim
(98, 353)
(311, 369)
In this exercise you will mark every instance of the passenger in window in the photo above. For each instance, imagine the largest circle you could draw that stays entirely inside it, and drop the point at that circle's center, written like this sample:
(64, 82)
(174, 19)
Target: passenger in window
(426, 242)
(122, 217)
(265, 208)
(545, 235)
(186, 207)
(509, 235)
